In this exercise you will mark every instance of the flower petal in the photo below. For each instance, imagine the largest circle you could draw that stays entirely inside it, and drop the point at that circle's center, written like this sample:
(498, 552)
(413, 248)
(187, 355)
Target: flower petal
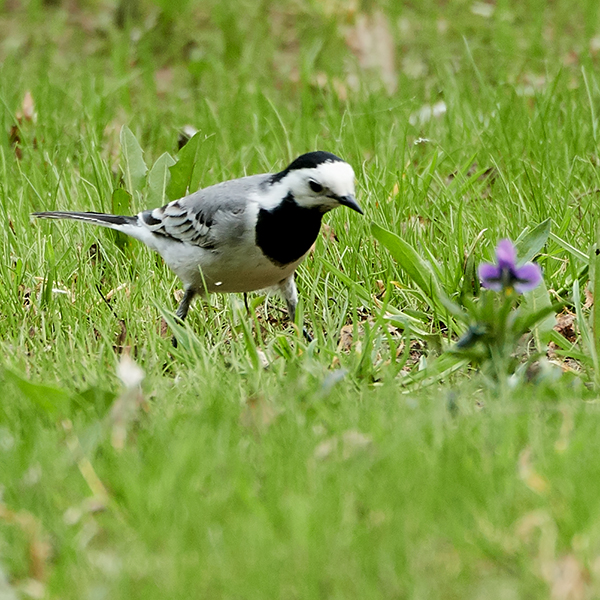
(527, 277)
(490, 276)
(506, 254)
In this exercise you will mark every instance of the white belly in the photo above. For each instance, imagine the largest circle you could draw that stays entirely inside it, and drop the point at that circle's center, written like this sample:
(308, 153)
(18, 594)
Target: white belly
(240, 269)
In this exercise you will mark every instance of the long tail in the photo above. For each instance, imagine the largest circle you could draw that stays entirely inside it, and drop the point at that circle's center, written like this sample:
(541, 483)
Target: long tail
(118, 222)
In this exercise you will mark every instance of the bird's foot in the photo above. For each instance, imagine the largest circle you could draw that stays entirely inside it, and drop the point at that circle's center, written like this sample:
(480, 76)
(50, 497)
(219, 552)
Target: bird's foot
(309, 338)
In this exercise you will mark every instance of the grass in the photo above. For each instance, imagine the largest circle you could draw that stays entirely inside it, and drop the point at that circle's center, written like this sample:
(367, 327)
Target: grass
(322, 476)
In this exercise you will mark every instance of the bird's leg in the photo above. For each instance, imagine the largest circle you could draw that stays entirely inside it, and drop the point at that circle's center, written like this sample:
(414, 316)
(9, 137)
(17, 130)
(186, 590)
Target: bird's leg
(184, 305)
(246, 303)
(290, 294)
(183, 308)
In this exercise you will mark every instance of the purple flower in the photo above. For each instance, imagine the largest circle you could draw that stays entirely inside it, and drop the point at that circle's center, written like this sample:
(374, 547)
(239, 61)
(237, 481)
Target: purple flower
(506, 274)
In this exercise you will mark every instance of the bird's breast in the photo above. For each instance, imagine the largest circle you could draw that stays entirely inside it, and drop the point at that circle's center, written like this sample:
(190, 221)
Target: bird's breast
(286, 233)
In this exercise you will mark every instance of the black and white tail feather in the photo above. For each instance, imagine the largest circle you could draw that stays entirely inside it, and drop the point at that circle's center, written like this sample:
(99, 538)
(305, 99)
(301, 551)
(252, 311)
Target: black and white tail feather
(240, 235)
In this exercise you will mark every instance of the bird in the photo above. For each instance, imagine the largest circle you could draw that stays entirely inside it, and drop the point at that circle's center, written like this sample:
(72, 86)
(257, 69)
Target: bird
(240, 235)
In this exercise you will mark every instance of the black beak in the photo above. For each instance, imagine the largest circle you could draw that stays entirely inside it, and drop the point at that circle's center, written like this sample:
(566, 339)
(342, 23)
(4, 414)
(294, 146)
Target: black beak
(350, 202)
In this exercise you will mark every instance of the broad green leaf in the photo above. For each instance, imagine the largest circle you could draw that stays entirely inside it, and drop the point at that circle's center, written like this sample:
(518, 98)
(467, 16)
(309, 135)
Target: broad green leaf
(53, 401)
(526, 322)
(99, 399)
(158, 180)
(121, 202)
(532, 242)
(134, 168)
(121, 205)
(183, 169)
(538, 307)
(410, 261)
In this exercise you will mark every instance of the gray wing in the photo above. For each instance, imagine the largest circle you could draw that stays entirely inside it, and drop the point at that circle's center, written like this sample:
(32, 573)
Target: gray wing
(196, 218)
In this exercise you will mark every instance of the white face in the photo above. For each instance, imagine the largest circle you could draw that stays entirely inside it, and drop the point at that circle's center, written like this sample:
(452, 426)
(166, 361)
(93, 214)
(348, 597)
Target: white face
(323, 186)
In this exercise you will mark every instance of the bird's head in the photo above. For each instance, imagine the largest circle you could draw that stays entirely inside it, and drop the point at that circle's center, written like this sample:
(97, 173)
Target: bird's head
(320, 181)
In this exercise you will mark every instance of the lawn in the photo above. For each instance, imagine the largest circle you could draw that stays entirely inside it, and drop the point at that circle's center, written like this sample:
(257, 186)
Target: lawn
(250, 464)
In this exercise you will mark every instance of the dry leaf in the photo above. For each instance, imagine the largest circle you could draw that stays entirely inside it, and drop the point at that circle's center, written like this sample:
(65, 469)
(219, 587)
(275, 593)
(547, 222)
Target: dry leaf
(258, 414)
(428, 112)
(354, 442)
(326, 448)
(39, 547)
(372, 42)
(262, 359)
(163, 328)
(569, 579)
(121, 337)
(483, 9)
(328, 233)
(126, 407)
(345, 343)
(27, 108)
(562, 443)
(163, 79)
(564, 325)
(414, 66)
(33, 588)
(530, 477)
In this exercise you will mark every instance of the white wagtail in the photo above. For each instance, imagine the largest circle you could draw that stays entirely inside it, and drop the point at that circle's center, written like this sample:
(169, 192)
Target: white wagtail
(240, 235)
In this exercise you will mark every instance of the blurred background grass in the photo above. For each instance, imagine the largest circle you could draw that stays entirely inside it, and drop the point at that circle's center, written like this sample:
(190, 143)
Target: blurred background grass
(465, 122)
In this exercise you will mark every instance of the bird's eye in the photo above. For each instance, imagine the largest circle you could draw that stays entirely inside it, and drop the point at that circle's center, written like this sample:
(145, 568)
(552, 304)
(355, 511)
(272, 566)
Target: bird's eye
(317, 188)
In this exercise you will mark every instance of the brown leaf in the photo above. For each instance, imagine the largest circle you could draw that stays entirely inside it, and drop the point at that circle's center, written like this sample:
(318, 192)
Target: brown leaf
(345, 343)
(121, 336)
(163, 79)
(329, 233)
(27, 108)
(14, 137)
(354, 442)
(178, 295)
(569, 579)
(530, 477)
(163, 328)
(326, 448)
(483, 9)
(372, 42)
(564, 325)
(39, 548)
(258, 414)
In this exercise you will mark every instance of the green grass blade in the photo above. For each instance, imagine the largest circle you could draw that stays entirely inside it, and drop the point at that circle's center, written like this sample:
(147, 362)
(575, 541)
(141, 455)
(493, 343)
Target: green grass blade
(569, 248)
